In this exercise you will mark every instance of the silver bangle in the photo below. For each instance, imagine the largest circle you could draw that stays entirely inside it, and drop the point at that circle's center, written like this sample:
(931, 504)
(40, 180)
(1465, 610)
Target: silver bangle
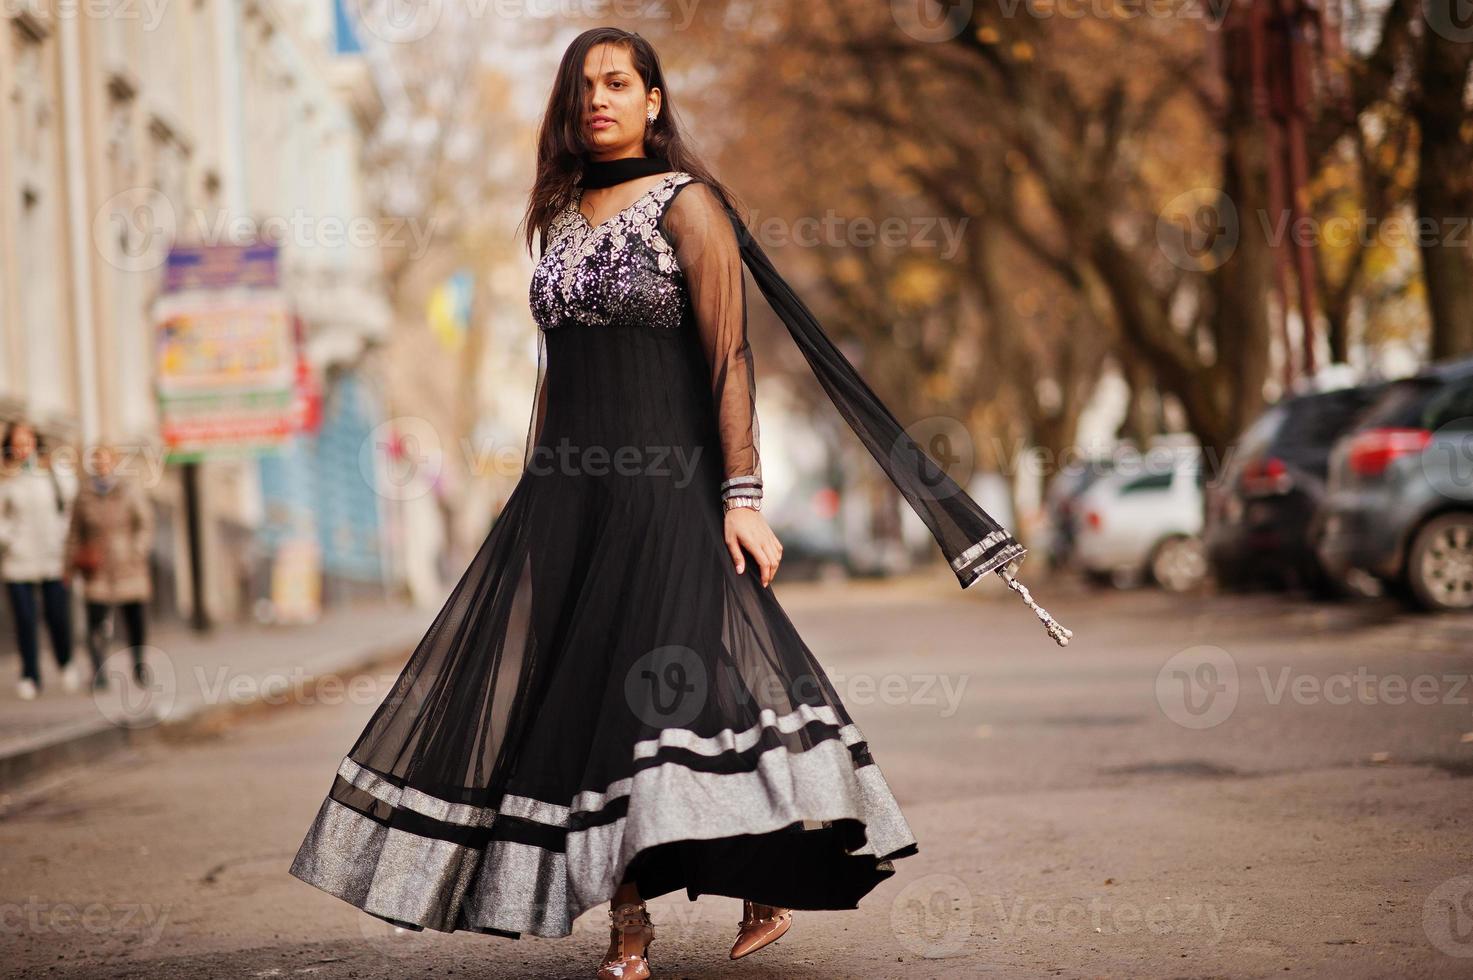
(755, 503)
(752, 481)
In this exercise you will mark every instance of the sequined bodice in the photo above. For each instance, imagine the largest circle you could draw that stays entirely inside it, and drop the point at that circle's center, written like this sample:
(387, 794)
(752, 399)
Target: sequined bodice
(621, 273)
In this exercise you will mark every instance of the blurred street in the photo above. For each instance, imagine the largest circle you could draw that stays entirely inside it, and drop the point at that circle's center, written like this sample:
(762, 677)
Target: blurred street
(1198, 786)
(295, 293)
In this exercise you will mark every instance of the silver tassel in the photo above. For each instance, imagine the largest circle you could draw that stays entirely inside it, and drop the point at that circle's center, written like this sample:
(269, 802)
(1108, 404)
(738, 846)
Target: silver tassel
(1056, 629)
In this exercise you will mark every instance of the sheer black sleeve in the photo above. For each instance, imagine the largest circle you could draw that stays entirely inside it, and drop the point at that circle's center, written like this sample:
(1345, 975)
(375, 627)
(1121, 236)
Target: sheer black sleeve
(707, 251)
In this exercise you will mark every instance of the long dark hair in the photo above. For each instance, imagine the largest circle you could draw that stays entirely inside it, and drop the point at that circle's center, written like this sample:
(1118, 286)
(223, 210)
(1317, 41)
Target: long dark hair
(562, 148)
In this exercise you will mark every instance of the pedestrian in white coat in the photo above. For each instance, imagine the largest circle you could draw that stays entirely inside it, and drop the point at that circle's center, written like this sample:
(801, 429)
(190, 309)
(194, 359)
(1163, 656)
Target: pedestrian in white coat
(35, 513)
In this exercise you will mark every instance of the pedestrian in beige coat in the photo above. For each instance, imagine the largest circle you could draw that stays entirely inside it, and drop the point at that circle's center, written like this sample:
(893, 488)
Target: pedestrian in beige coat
(108, 545)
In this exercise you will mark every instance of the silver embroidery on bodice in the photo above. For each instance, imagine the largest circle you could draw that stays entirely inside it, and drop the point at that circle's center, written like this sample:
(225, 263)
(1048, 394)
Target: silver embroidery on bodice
(621, 273)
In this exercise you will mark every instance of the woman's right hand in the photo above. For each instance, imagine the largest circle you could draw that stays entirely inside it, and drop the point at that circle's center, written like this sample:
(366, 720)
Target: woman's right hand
(747, 528)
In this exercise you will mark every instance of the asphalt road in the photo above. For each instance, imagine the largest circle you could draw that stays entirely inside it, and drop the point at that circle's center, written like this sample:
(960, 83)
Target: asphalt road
(1200, 787)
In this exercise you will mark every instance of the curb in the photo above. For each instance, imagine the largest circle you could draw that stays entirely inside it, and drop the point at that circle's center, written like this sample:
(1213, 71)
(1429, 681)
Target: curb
(79, 743)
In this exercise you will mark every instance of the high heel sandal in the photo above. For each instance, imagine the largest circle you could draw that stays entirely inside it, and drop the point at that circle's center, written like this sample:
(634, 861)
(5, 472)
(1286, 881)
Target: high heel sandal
(624, 965)
(760, 925)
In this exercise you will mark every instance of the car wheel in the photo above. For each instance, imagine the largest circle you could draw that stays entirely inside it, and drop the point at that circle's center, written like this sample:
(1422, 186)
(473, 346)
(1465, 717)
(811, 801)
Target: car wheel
(1180, 563)
(1440, 563)
(1323, 586)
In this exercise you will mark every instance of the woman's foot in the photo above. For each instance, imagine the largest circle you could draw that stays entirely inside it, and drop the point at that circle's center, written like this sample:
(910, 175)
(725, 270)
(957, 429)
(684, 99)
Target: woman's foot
(630, 935)
(760, 925)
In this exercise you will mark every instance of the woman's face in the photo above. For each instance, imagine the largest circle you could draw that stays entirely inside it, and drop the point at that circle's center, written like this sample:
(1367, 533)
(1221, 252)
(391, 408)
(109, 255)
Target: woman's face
(22, 442)
(615, 102)
(103, 460)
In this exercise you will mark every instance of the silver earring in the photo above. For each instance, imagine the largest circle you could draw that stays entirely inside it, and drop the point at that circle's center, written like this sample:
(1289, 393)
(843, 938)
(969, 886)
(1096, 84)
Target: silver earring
(649, 117)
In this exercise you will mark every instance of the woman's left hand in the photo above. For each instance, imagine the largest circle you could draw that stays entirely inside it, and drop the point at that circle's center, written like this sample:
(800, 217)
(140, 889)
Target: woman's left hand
(747, 528)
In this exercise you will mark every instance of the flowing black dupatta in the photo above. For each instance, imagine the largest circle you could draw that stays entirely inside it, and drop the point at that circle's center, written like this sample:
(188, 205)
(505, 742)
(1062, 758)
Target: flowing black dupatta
(974, 543)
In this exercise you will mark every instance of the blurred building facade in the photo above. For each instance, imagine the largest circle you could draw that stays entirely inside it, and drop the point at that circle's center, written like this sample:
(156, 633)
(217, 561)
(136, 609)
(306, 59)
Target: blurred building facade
(197, 122)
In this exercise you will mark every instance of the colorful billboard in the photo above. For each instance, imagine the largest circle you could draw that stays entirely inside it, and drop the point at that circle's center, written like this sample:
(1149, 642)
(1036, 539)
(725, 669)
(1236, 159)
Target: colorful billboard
(226, 364)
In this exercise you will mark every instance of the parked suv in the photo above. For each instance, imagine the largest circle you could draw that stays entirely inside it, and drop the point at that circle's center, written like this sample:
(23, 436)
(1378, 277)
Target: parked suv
(1400, 494)
(1259, 511)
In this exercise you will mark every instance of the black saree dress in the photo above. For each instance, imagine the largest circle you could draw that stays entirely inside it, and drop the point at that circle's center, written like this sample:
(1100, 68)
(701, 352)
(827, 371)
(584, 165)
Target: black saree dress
(603, 696)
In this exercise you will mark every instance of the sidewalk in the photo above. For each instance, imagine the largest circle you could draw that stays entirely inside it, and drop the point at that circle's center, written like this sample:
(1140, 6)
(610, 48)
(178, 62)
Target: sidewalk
(196, 679)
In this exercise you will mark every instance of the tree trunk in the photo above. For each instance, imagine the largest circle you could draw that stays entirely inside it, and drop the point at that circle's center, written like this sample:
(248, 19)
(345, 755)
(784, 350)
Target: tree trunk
(1445, 193)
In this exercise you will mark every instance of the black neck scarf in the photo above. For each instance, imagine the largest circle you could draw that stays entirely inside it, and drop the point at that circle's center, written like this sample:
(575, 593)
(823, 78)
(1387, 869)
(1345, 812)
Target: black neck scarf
(607, 173)
(972, 540)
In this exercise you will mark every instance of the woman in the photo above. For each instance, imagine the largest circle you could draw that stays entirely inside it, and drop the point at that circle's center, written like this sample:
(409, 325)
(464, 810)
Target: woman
(111, 534)
(612, 705)
(35, 506)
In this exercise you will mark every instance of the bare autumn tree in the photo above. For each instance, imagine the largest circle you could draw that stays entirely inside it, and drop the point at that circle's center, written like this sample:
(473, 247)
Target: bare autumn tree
(1411, 82)
(1444, 194)
(817, 134)
(1076, 116)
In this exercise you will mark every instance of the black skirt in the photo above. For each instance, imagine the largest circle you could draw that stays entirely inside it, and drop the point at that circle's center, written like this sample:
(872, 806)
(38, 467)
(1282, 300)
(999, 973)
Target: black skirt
(604, 697)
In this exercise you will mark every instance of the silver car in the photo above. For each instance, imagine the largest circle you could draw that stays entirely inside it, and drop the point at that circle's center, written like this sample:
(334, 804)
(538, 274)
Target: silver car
(1145, 521)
